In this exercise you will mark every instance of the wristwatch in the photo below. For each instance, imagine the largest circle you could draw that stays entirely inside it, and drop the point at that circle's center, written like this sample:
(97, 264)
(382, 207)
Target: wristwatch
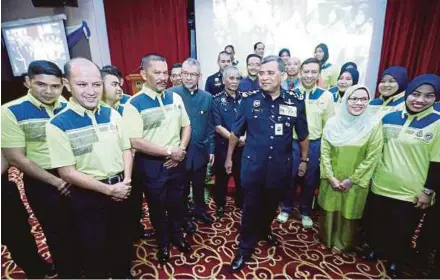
(169, 152)
(305, 160)
(428, 192)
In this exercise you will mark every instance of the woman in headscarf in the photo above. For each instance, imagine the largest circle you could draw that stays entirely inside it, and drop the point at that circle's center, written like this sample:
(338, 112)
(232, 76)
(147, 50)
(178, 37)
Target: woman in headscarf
(407, 174)
(328, 70)
(351, 148)
(347, 78)
(349, 64)
(392, 86)
(284, 54)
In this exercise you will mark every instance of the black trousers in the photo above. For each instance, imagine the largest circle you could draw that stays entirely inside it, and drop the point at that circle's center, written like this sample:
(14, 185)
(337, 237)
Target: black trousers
(16, 231)
(103, 225)
(259, 208)
(54, 212)
(222, 179)
(163, 189)
(390, 226)
(196, 178)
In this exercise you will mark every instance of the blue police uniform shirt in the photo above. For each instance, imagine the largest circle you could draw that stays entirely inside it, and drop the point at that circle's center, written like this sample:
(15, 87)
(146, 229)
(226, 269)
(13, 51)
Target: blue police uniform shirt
(269, 124)
(200, 108)
(214, 83)
(247, 84)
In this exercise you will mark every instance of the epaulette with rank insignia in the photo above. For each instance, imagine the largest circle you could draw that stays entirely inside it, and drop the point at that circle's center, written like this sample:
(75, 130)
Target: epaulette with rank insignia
(248, 93)
(297, 94)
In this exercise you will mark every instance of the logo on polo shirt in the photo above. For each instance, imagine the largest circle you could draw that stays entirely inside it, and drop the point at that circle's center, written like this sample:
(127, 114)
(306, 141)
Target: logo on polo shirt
(429, 136)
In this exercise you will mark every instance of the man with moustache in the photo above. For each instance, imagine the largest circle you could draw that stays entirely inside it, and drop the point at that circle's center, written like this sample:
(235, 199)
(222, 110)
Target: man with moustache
(200, 151)
(319, 108)
(292, 70)
(25, 146)
(159, 130)
(250, 83)
(268, 117)
(214, 83)
(88, 149)
(225, 110)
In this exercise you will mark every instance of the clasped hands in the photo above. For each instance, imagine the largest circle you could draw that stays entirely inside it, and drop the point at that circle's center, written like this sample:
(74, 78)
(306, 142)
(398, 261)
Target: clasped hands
(177, 155)
(343, 186)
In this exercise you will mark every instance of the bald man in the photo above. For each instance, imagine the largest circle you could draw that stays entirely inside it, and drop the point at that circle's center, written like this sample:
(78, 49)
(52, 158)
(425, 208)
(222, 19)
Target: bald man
(292, 70)
(89, 150)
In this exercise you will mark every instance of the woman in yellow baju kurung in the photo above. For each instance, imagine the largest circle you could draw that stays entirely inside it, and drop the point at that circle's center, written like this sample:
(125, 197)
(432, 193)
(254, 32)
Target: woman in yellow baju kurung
(350, 150)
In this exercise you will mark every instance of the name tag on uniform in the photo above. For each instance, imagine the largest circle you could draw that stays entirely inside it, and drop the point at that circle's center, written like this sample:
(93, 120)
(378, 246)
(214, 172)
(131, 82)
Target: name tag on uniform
(288, 110)
(278, 129)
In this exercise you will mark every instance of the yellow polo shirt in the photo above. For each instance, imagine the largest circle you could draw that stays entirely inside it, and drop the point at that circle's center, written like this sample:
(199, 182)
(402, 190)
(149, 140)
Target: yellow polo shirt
(410, 143)
(92, 141)
(24, 126)
(392, 104)
(319, 108)
(156, 117)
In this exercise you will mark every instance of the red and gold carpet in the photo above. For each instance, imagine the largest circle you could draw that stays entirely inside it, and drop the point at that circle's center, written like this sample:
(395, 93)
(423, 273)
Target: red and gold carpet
(300, 255)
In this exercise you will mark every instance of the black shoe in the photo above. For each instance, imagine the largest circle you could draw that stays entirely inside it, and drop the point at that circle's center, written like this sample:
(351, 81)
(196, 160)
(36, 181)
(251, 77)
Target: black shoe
(369, 256)
(50, 270)
(181, 244)
(147, 233)
(163, 255)
(220, 212)
(238, 262)
(394, 271)
(189, 227)
(204, 218)
(271, 239)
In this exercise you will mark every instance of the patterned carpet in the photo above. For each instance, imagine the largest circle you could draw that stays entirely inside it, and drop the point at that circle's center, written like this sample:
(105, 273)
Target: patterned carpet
(300, 255)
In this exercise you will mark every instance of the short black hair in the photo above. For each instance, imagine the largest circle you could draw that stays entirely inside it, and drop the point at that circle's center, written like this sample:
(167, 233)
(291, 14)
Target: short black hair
(68, 66)
(230, 46)
(256, 45)
(176, 65)
(252, 55)
(151, 57)
(111, 70)
(223, 52)
(43, 67)
(311, 60)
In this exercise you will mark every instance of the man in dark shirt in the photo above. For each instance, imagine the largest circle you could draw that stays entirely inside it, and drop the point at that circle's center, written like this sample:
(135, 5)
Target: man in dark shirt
(214, 83)
(250, 83)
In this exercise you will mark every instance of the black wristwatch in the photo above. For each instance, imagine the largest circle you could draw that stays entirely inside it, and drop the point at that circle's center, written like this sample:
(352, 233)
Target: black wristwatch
(305, 160)
(428, 192)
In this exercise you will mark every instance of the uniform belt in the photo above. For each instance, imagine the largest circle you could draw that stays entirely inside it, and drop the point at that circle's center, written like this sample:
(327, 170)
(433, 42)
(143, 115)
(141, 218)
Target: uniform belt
(114, 179)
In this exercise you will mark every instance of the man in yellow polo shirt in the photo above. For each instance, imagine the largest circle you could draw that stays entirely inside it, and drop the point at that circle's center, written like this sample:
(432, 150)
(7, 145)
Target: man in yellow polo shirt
(24, 146)
(159, 129)
(319, 108)
(88, 148)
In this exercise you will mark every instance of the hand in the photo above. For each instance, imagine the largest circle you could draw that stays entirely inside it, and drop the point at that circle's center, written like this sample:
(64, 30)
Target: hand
(302, 168)
(241, 141)
(171, 163)
(178, 154)
(335, 183)
(63, 187)
(120, 191)
(228, 165)
(211, 159)
(422, 201)
(346, 185)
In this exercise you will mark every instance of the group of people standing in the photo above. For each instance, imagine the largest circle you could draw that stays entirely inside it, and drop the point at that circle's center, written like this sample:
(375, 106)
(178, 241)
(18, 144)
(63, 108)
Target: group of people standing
(89, 161)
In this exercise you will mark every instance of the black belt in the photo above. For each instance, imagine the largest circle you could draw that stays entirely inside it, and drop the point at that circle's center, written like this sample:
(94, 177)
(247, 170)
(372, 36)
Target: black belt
(114, 179)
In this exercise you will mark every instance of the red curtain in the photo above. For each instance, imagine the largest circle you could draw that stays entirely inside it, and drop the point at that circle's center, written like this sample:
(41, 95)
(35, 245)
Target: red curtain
(138, 27)
(412, 36)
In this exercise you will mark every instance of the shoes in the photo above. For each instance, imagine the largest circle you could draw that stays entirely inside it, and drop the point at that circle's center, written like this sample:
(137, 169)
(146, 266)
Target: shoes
(283, 217)
(163, 255)
(204, 218)
(147, 233)
(181, 244)
(271, 239)
(189, 227)
(220, 211)
(307, 222)
(394, 271)
(369, 256)
(238, 262)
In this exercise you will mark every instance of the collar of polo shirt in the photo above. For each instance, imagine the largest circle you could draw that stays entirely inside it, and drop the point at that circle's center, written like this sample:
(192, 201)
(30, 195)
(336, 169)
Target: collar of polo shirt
(41, 105)
(307, 91)
(80, 110)
(393, 98)
(151, 93)
(418, 116)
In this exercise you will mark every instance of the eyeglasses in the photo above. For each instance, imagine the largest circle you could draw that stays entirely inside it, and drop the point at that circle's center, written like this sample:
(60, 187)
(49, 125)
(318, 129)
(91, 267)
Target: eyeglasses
(193, 75)
(254, 64)
(354, 100)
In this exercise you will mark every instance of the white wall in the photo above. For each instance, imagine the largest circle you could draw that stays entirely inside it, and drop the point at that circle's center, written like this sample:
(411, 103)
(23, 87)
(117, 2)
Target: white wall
(352, 29)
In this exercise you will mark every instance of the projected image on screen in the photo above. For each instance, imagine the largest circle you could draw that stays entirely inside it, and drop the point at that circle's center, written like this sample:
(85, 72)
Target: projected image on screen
(346, 26)
(45, 41)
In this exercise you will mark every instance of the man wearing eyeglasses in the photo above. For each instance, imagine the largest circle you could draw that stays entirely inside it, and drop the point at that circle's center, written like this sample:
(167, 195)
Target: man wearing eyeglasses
(199, 106)
(253, 64)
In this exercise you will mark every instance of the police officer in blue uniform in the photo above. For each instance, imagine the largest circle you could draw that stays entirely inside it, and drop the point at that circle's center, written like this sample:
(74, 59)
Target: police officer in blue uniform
(199, 106)
(214, 83)
(268, 117)
(225, 110)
